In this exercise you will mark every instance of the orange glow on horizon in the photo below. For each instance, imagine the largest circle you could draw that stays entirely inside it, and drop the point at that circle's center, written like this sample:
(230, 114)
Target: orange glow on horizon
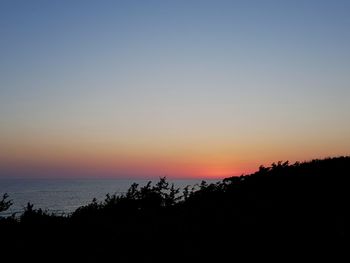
(202, 159)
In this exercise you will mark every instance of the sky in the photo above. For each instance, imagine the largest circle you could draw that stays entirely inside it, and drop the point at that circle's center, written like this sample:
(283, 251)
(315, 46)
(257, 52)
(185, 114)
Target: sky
(184, 89)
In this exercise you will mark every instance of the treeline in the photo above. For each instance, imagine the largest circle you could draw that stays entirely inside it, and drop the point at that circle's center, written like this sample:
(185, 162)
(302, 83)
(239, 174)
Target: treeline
(306, 202)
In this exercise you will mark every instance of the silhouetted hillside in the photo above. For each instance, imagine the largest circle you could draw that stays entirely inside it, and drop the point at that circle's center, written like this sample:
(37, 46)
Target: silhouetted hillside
(285, 208)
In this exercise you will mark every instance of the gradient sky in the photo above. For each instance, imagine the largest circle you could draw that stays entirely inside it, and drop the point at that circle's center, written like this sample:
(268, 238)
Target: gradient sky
(177, 88)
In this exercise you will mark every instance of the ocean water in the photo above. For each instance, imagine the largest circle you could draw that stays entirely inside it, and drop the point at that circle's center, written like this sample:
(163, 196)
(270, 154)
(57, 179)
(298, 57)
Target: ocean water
(63, 196)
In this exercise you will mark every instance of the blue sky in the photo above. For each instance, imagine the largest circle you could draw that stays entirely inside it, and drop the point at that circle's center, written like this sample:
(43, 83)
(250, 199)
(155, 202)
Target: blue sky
(220, 84)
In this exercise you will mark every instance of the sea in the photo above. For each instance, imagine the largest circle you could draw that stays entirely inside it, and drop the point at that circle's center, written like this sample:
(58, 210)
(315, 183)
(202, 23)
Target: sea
(64, 196)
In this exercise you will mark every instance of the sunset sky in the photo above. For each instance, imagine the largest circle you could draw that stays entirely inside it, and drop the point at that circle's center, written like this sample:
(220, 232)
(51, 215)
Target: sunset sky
(197, 89)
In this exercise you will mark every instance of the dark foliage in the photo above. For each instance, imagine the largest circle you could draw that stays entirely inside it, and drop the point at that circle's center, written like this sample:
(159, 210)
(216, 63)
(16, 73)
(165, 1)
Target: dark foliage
(5, 203)
(286, 207)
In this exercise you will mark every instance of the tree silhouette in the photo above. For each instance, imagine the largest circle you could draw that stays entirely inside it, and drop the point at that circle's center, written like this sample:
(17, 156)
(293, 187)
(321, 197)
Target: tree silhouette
(304, 201)
(5, 204)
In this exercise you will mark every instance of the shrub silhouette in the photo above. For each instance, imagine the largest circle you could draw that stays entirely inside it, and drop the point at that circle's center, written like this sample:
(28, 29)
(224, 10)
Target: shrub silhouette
(136, 200)
(304, 201)
(4, 203)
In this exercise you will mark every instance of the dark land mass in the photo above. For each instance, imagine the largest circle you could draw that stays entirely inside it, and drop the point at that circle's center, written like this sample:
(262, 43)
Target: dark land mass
(287, 211)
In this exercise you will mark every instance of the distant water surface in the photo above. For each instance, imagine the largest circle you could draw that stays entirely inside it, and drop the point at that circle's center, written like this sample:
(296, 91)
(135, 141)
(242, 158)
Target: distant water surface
(66, 195)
